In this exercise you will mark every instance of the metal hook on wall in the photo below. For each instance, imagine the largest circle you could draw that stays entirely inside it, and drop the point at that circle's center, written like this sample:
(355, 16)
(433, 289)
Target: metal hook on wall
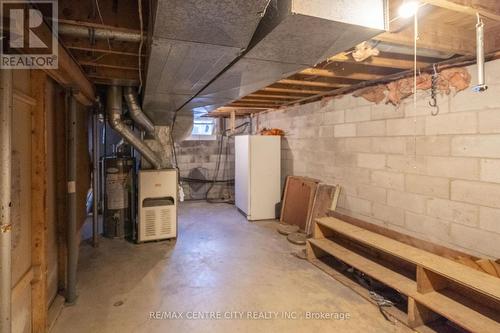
(433, 103)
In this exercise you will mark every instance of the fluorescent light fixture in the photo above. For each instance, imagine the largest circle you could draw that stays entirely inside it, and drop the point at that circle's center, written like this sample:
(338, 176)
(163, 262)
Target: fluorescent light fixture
(408, 9)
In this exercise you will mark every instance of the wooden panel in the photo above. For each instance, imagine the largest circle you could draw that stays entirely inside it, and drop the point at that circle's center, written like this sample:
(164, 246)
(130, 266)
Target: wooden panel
(323, 200)
(52, 269)
(39, 202)
(21, 203)
(298, 200)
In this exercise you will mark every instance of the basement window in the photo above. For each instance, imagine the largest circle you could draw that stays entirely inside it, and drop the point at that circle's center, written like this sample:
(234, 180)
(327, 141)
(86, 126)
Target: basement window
(203, 129)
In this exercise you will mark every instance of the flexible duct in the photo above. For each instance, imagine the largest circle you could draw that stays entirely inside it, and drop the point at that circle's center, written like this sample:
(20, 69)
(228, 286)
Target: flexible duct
(138, 116)
(114, 111)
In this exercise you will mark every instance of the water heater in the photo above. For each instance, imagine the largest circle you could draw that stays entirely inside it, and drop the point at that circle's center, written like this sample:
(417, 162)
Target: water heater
(157, 205)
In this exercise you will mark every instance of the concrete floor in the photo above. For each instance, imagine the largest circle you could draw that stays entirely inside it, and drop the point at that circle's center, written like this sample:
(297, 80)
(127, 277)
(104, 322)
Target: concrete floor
(220, 263)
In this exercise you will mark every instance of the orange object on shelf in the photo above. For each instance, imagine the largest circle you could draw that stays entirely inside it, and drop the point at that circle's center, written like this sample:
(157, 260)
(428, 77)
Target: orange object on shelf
(272, 131)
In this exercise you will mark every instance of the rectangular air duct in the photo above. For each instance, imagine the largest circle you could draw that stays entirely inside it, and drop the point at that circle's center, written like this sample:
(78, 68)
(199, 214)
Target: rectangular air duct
(293, 35)
(191, 42)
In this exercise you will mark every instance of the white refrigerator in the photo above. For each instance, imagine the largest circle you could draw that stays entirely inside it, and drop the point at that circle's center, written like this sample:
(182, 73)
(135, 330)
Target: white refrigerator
(257, 175)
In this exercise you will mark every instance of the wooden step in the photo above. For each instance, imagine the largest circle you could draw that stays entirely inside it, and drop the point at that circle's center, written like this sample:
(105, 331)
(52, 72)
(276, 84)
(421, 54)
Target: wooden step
(475, 318)
(471, 278)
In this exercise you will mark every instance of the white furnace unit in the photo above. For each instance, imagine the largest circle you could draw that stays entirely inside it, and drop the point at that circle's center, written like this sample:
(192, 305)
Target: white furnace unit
(257, 175)
(157, 205)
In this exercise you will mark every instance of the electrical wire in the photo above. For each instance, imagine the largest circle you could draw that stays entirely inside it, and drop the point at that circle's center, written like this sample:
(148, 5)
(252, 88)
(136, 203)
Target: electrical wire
(139, 5)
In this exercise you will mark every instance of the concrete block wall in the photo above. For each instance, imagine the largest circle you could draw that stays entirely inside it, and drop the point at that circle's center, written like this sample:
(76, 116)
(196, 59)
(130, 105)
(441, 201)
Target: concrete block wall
(433, 177)
(192, 154)
(203, 155)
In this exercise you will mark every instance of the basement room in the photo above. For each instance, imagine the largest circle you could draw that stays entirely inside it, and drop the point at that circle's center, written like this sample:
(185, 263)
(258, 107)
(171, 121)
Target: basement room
(250, 166)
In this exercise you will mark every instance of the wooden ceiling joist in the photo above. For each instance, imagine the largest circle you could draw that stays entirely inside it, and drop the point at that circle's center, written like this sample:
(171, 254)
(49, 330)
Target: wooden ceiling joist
(287, 97)
(312, 83)
(246, 99)
(468, 8)
(292, 91)
(336, 74)
(96, 64)
(434, 36)
(379, 61)
(105, 51)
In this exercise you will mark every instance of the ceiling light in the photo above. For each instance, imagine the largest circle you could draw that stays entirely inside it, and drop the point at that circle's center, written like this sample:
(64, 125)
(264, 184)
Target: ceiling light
(408, 9)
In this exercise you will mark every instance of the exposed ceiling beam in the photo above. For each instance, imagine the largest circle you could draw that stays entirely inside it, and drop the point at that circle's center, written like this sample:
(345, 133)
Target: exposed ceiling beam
(261, 107)
(275, 96)
(100, 50)
(292, 91)
(96, 64)
(467, 8)
(246, 99)
(312, 83)
(328, 73)
(100, 26)
(441, 37)
(379, 61)
(108, 80)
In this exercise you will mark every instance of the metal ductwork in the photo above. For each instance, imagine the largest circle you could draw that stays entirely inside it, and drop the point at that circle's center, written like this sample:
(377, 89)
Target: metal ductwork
(114, 111)
(136, 111)
(292, 36)
(192, 42)
(206, 54)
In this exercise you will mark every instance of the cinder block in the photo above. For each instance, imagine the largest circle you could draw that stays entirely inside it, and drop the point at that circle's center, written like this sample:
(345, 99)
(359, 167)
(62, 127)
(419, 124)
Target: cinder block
(371, 128)
(407, 201)
(361, 113)
(358, 145)
(372, 193)
(371, 161)
(484, 194)
(475, 239)
(469, 101)
(451, 123)
(392, 215)
(392, 145)
(453, 211)
(390, 180)
(386, 111)
(357, 205)
(334, 117)
(489, 219)
(406, 126)
(345, 102)
(489, 121)
(490, 170)
(326, 131)
(453, 167)
(406, 163)
(431, 186)
(476, 145)
(430, 227)
(345, 130)
(356, 175)
(345, 159)
(433, 145)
